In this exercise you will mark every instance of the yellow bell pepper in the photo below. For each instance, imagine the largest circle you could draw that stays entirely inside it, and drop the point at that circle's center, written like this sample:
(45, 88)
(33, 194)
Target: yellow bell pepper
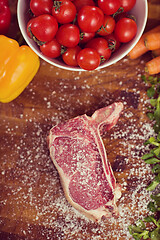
(18, 66)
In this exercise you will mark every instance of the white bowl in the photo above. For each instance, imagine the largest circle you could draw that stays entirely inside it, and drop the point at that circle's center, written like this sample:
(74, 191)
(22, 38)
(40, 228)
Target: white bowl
(140, 11)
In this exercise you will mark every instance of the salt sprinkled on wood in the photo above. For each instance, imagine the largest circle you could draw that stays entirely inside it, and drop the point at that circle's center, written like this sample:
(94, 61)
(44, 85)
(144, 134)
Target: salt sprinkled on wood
(41, 199)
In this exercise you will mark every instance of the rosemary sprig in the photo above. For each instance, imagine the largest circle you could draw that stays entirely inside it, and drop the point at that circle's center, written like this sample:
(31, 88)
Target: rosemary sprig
(140, 230)
(153, 93)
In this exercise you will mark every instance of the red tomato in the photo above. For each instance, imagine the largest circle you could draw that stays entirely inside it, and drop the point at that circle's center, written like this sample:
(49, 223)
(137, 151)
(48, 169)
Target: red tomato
(109, 6)
(44, 27)
(5, 17)
(113, 42)
(90, 18)
(127, 4)
(85, 37)
(108, 26)
(70, 56)
(68, 35)
(39, 7)
(64, 11)
(88, 59)
(51, 49)
(81, 3)
(101, 46)
(125, 29)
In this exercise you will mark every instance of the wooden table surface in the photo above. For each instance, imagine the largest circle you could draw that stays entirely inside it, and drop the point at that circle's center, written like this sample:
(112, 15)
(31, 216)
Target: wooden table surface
(32, 203)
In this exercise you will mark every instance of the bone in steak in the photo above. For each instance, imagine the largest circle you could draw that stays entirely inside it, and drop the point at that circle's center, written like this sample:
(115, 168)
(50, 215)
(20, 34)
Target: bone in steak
(79, 155)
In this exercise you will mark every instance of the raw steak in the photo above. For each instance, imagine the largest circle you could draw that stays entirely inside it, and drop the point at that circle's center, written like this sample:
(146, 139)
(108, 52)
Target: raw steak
(78, 153)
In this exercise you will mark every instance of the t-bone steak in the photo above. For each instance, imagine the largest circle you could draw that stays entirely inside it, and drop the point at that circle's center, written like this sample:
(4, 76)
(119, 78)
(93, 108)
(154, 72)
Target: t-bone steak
(78, 153)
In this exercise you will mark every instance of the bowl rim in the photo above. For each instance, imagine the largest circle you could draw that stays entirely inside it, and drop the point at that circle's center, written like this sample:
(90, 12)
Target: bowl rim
(71, 68)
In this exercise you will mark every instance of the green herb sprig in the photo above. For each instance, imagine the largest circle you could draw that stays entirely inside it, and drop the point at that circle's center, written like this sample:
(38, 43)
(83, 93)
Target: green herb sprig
(153, 93)
(140, 230)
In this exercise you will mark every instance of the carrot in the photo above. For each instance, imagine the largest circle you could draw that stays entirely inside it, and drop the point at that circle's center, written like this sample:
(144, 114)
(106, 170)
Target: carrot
(153, 66)
(156, 52)
(152, 41)
(140, 48)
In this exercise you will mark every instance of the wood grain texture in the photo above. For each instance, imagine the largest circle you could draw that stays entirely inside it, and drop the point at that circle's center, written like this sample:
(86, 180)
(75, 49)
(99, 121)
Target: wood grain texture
(32, 203)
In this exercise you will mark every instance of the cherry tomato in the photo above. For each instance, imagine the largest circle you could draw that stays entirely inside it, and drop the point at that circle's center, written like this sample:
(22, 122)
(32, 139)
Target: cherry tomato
(88, 59)
(64, 11)
(81, 3)
(44, 27)
(109, 6)
(5, 17)
(113, 42)
(90, 18)
(68, 35)
(51, 49)
(85, 37)
(101, 46)
(125, 29)
(39, 7)
(127, 4)
(70, 56)
(108, 26)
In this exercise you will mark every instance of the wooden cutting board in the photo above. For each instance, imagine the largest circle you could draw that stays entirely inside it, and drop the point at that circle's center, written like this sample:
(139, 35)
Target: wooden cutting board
(32, 203)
